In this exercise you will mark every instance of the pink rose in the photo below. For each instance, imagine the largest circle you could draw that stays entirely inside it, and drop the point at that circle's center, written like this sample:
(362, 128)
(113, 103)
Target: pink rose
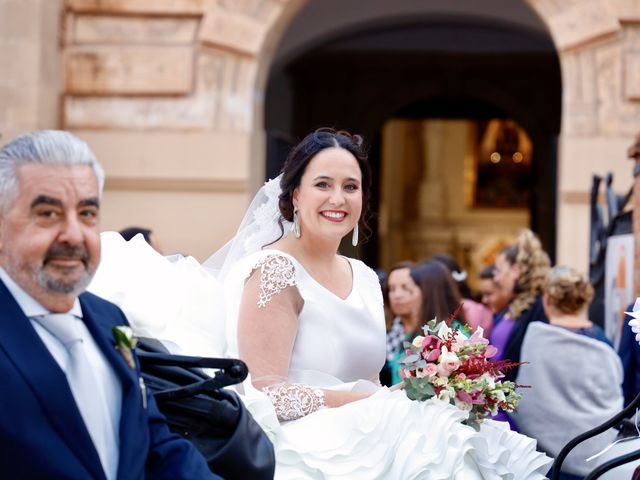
(430, 369)
(449, 363)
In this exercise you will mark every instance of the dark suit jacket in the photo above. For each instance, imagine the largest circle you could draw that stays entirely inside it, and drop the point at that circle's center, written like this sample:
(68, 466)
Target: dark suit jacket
(42, 434)
(512, 349)
(629, 352)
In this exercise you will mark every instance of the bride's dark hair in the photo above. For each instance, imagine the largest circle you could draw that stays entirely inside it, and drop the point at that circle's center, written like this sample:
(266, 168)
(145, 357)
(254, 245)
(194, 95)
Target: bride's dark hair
(298, 159)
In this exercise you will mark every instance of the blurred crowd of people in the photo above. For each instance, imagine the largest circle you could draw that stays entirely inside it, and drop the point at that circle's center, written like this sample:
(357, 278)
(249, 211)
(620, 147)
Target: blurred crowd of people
(535, 315)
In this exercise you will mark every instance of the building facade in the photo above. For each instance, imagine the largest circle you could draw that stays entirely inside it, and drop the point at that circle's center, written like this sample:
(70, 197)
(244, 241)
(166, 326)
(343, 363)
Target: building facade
(171, 96)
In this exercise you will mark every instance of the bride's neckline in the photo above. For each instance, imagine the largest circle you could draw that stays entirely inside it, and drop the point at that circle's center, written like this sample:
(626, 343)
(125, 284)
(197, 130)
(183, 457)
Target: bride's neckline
(324, 287)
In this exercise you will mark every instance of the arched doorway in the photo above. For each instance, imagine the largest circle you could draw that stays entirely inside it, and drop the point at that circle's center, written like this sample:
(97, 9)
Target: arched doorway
(421, 65)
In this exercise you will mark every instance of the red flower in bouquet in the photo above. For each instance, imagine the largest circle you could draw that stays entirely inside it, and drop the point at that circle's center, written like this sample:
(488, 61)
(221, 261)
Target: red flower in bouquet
(453, 367)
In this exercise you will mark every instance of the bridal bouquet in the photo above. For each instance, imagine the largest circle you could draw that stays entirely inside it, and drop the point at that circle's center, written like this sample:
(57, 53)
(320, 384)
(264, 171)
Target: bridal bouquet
(446, 364)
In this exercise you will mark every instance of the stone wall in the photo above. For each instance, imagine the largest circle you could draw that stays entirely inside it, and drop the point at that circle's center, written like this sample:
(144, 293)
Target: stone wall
(196, 68)
(599, 46)
(169, 93)
(30, 65)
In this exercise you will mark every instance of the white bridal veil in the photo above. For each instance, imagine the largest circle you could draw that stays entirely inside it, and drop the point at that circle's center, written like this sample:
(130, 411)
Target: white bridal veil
(262, 224)
(175, 299)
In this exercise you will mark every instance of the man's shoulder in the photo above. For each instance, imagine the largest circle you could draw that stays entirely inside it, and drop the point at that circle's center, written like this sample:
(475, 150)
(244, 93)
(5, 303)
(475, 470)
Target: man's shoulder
(96, 300)
(99, 305)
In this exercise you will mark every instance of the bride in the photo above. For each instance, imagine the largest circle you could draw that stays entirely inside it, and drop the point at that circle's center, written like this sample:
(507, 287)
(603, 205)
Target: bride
(309, 323)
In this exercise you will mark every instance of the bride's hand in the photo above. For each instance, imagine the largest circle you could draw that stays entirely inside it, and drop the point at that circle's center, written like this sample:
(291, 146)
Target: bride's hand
(397, 386)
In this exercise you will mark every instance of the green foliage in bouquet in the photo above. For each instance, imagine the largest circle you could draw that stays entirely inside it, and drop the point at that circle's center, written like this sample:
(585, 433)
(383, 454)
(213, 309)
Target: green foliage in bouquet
(454, 366)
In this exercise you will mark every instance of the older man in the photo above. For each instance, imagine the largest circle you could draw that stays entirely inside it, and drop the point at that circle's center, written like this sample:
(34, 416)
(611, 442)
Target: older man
(71, 405)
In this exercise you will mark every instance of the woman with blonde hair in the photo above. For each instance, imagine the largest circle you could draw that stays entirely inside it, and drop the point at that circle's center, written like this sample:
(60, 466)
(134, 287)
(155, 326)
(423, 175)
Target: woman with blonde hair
(521, 270)
(575, 373)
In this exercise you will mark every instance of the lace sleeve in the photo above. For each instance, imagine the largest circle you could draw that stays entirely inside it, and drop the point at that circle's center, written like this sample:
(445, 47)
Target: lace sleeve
(267, 333)
(276, 273)
(292, 400)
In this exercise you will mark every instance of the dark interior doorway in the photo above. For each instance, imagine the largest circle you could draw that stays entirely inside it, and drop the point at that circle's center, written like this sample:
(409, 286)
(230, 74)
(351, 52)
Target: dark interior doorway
(438, 66)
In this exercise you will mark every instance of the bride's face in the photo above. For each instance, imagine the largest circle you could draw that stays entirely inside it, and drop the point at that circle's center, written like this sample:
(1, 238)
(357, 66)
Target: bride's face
(329, 197)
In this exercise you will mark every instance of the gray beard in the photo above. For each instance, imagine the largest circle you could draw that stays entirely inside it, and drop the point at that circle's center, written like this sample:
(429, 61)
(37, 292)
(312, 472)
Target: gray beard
(43, 279)
(51, 284)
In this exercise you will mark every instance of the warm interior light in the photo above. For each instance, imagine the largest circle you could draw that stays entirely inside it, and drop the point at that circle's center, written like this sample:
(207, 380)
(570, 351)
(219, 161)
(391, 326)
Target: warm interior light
(505, 139)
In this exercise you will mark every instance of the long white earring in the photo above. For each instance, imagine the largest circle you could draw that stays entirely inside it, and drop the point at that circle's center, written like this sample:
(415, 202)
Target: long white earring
(295, 226)
(354, 238)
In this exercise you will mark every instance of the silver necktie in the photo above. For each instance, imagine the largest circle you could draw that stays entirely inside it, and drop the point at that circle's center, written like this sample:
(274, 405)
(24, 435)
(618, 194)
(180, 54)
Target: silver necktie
(82, 380)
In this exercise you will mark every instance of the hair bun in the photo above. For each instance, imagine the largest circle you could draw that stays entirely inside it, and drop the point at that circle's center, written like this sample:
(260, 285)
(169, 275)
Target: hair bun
(568, 290)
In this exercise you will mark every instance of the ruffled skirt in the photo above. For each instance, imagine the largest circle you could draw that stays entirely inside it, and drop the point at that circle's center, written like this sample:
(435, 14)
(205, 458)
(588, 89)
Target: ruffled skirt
(388, 436)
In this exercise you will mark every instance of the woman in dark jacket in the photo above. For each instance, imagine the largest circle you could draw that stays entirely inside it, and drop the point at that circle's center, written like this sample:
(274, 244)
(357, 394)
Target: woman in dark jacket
(521, 269)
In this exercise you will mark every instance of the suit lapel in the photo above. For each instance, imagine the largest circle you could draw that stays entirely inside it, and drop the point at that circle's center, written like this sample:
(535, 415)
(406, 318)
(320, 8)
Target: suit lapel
(47, 381)
(132, 422)
(100, 328)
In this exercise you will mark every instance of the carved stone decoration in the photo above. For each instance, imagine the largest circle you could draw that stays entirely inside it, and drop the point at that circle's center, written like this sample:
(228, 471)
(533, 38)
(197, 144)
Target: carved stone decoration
(111, 70)
(265, 11)
(582, 23)
(609, 86)
(221, 101)
(158, 7)
(229, 80)
(139, 113)
(127, 30)
(626, 10)
(579, 102)
(632, 76)
(125, 71)
(232, 31)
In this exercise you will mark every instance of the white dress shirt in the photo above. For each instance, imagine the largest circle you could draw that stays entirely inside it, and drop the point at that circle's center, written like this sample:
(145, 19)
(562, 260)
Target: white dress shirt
(109, 392)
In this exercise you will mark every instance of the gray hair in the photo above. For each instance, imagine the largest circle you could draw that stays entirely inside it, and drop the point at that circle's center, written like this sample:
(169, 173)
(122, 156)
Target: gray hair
(45, 147)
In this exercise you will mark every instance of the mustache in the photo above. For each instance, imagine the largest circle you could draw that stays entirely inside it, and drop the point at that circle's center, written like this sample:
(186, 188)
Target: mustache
(65, 250)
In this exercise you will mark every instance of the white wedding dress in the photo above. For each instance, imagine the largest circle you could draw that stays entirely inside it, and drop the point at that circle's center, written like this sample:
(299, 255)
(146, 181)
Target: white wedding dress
(340, 344)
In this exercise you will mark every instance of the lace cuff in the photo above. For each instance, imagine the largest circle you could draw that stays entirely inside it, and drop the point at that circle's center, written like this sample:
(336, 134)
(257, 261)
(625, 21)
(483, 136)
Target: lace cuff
(292, 400)
(276, 273)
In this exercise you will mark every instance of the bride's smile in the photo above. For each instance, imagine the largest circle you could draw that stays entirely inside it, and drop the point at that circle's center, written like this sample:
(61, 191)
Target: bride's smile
(333, 215)
(329, 197)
